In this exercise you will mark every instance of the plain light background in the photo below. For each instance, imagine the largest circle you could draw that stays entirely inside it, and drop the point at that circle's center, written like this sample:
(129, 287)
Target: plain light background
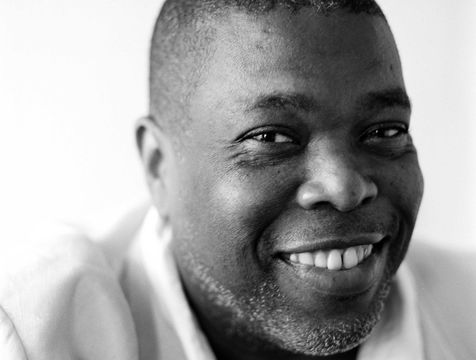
(73, 79)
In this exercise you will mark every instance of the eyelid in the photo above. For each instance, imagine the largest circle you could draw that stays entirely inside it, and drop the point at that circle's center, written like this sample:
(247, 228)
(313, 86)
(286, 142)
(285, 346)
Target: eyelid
(278, 138)
(402, 126)
(276, 129)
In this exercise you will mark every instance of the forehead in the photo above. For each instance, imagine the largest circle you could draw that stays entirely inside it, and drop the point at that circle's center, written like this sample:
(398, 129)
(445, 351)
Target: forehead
(334, 57)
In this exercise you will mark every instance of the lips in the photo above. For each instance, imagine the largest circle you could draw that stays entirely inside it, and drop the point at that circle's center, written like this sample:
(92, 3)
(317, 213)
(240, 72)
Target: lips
(335, 259)
(328, 243)
(334, 254)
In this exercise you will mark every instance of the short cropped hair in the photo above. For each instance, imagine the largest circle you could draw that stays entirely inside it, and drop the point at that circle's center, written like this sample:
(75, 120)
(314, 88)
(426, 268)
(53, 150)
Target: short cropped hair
(180, 46)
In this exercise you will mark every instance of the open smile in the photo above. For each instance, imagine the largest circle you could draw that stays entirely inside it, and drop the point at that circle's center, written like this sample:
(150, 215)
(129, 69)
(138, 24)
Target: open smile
(335, 259)
(340, 271)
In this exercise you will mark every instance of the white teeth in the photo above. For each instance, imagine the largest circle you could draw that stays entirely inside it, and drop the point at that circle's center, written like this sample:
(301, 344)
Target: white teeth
(335, 259)
(320, 259)
(306, 259)
(350, 258)
(360, 253)
(368, 250)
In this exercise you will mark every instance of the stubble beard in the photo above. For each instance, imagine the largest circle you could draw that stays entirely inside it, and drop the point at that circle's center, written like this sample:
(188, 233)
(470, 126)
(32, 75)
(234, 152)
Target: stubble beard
(264, 322)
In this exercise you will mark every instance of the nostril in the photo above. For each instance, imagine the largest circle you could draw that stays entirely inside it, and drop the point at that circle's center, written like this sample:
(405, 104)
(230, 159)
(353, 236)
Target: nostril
(367, 200)
(354, 194)
(310, 194)
(370, 191)
(344, 191)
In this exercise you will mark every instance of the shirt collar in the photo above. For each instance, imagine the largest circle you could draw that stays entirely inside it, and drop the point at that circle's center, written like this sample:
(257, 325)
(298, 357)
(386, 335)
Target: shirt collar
(396, 337)
(398, 334)
(154, 242)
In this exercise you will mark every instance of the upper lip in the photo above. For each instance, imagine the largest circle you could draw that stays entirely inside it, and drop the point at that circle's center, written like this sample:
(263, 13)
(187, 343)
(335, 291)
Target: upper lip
(329, 243)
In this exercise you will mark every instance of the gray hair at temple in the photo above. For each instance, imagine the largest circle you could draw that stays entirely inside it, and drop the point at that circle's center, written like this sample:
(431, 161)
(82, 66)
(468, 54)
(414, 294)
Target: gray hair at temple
(182, 42)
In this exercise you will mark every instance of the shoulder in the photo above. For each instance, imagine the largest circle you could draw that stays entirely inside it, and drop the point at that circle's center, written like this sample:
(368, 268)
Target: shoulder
(439, 269)
(56, 251)
(60, 296)
(445, 284)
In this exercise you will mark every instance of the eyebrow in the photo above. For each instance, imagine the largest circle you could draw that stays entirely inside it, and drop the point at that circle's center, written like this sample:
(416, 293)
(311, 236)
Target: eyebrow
(379, 100)
(372, 101)
(280, 100)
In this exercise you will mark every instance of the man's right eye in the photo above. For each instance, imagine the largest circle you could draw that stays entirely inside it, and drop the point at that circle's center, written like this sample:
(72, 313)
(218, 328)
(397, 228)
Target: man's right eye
(267, 145)
(272, 137)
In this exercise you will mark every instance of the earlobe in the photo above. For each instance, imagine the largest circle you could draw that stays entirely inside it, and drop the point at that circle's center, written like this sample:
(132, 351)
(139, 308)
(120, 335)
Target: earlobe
(154, 151)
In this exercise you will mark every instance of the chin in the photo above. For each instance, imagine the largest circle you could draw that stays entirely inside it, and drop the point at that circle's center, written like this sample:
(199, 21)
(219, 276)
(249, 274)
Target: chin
(319, 336)
(274, 327)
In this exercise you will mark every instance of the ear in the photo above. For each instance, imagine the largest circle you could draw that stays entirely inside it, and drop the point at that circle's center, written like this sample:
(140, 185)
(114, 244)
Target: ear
(157, 156)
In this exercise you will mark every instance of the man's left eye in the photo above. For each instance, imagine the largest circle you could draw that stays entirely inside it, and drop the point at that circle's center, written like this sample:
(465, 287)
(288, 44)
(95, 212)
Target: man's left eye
(272, 137)
(386, 132)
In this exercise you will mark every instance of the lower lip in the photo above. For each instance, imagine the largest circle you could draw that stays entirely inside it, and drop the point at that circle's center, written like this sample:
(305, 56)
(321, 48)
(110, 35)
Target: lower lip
(341, 283)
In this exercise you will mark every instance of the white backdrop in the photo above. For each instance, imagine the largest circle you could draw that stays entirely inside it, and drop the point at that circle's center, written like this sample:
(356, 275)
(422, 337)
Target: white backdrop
(73, 80)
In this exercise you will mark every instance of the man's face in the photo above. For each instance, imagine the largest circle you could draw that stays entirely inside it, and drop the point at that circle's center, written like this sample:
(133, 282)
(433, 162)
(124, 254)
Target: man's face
(297, 148)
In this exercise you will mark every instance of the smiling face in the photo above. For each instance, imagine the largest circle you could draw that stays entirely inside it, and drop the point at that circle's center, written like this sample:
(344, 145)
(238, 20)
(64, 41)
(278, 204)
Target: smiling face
(295, 188)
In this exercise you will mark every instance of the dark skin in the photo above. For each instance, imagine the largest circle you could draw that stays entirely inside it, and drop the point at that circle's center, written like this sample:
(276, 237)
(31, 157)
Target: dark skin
(298, 136)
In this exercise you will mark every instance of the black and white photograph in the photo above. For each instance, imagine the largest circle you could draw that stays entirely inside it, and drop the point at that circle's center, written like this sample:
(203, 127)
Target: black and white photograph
(237, 180)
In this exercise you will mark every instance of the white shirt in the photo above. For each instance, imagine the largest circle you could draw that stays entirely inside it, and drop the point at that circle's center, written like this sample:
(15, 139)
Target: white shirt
(63, 297)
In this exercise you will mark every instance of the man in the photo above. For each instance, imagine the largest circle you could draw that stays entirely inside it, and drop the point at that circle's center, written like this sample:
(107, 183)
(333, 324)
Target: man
(285, 187)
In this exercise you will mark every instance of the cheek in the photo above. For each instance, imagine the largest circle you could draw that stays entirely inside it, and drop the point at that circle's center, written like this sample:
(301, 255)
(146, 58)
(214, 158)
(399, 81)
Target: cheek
(225, 224)
(251, 202)
(403, 185)
(244, 201)
(242, 208)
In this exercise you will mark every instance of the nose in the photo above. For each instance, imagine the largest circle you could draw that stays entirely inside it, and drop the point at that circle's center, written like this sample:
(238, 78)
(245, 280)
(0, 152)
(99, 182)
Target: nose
(336, 179)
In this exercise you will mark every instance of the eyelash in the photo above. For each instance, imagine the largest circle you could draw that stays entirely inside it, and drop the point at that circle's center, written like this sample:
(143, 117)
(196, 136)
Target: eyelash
(272, 137)
(379, 132)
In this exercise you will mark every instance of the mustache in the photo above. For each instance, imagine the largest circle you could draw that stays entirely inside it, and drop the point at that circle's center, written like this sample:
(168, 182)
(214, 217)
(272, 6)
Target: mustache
(321, 225)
